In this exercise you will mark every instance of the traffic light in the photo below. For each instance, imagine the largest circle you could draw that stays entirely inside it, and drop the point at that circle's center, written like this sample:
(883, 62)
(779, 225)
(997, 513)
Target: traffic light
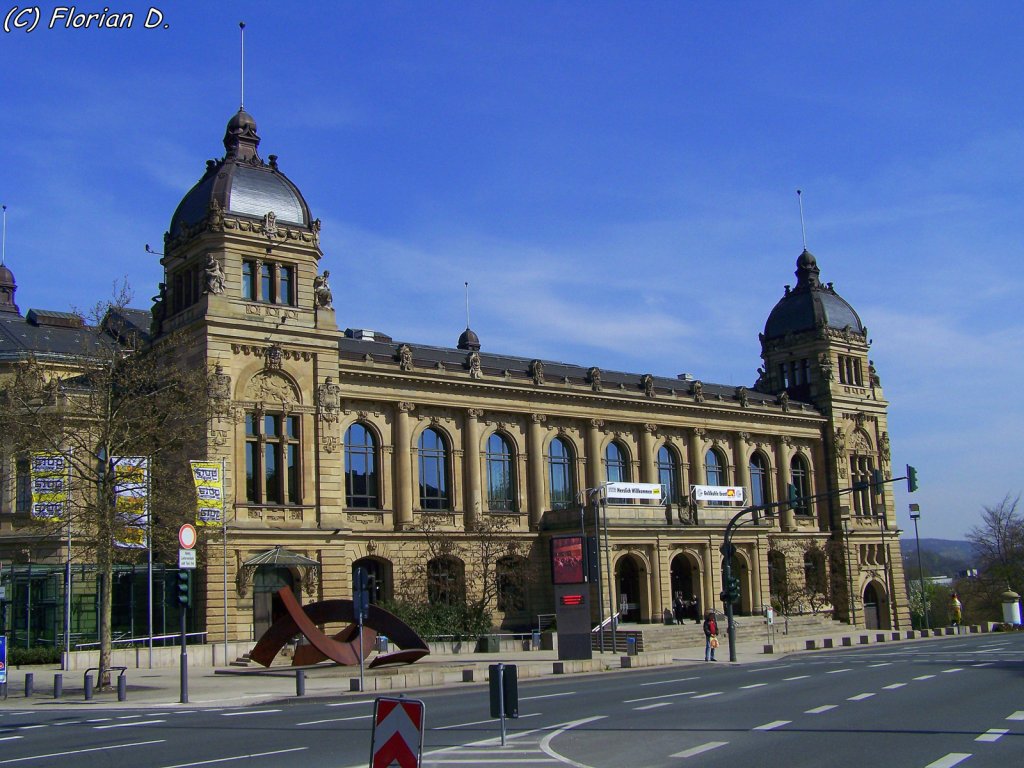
(911, 478)
(731, 593)
(877, 480)
(184, 587)
(792, 496)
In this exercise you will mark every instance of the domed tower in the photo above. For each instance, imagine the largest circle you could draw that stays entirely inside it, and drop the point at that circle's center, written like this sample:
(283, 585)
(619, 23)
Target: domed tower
(7, 290)
(815, 350)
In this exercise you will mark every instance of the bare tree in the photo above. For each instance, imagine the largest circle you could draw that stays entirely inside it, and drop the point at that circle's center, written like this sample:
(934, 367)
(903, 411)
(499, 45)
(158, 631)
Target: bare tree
(113, 398)
(999, 543)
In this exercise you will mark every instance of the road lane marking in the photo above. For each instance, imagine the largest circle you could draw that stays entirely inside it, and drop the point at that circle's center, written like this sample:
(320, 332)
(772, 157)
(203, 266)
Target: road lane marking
(350, 703)
(32, 727)
(755, 685)
(546, 696)
(98, 720)
(953, 758)
(128, 717)
(545, 743)
(1018, 715)
(860, 697)
(700, 750)
(993, 734)
(237, 757)
(798, 677)
(81, 751)
(837, 671)
(894, 686)
(772, 725)
(663, 696)
(666, 682)
(9, 738)
(249, 712)
(128, 725)
(479, 722)
(336, 720)
(819, 710)
(883, 664)
(655, 705)
(708, 695)
(985, 664)
(954, 669)
(924, 677)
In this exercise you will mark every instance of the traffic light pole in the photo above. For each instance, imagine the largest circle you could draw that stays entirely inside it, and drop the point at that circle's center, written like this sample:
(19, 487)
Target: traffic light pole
(184, 659)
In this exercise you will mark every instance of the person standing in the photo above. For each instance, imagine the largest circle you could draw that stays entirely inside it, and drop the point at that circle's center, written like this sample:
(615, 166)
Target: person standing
(955, 609)
(695, 603)
(678, 609)
(710, 636)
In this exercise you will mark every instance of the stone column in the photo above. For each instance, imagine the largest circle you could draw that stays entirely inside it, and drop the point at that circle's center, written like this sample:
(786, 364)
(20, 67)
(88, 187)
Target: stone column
(535, 463)
(471, 448)
(594, 475)
(648, 469)
(697, 457)
(657, 607)
(739, 457)
(784, 452)
(711, 578)
(403, 466)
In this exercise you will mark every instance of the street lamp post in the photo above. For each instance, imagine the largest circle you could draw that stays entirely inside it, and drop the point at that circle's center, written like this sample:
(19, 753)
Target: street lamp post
(915, 514)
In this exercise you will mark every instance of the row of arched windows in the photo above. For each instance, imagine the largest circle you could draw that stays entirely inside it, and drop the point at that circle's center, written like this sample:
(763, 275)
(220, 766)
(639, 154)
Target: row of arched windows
(362, 472)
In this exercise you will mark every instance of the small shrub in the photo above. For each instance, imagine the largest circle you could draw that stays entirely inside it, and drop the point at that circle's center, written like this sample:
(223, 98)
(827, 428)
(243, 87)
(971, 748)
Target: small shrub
(20, 657)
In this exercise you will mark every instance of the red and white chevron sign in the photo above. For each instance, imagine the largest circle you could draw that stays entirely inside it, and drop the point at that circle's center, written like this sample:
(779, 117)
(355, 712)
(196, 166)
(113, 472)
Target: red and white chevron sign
(397, 733)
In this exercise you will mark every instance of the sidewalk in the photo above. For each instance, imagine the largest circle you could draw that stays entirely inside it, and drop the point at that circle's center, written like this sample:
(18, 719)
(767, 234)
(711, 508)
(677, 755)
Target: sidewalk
(232, 686)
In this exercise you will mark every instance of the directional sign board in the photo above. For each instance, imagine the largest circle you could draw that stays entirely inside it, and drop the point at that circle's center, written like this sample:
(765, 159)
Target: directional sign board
(397, 733)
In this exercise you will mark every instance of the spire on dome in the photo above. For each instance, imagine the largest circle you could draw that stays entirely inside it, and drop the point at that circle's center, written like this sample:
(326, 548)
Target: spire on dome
(241, 140)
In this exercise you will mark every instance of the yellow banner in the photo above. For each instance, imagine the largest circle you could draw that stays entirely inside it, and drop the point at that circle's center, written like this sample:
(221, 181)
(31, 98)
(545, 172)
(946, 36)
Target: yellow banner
(209, 480)
(131, 491)
(51, 482)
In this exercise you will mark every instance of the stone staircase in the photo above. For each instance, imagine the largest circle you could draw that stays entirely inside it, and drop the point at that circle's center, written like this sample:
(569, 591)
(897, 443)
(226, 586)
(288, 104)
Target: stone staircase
(664, 637)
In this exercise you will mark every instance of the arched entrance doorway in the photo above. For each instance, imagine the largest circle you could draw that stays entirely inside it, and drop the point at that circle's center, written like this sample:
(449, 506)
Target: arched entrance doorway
(266, 605)
(378, 573)
(876, 607)
(685, 581)
(631, 597)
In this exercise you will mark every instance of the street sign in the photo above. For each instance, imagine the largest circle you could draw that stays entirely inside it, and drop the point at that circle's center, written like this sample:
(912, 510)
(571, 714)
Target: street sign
(186, 558)
(718, 492)
(633, 491)
(187, 536)
(397, 733)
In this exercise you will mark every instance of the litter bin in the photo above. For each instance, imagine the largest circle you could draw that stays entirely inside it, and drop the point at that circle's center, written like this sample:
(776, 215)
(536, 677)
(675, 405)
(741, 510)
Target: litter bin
(536, 639)
(488, 644)
(630, 645)
(381, 646)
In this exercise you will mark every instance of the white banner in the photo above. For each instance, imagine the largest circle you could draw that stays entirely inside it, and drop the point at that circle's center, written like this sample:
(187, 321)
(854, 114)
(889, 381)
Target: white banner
(718, 493)
(633, 491)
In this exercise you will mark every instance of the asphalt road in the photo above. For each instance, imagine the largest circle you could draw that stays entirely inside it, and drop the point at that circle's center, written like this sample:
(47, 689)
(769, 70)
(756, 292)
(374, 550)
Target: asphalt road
(946, 702)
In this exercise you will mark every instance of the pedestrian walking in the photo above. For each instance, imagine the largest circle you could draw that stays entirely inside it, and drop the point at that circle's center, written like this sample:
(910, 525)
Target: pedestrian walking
(695, 607)
(679, 608)
(955, 609)
(710, 636)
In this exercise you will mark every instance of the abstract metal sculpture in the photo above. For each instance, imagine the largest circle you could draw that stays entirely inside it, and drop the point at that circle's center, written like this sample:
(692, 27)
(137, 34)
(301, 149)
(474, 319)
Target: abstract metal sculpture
(343, 648)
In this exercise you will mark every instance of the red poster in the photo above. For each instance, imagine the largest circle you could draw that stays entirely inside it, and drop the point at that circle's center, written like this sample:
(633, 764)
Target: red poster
(567, 560)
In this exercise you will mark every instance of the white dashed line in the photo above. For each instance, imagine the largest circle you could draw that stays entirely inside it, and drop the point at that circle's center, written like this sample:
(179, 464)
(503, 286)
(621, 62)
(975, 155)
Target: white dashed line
(694, 751)
(350, 703)
(249, 712)
(708, 695)
(984, 664)
(663, 696)
(860, 697)
(883, 664)
(798, 677)
(953, 758)
(546, 696)
(478, 722)
(128, 725)
(755, 685)
(336, 720)
(772, 725)
(9, 738)
(655, 705)
(954, 669)
(819, 710)
(666, 682)
(1018, 715)
(32, 727)
(894, 686)
(837, 671)
(926, 677)
(993, 734)
(82, 751)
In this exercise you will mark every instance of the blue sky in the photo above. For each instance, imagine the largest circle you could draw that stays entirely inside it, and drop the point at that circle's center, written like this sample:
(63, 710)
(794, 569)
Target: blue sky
(615, 180)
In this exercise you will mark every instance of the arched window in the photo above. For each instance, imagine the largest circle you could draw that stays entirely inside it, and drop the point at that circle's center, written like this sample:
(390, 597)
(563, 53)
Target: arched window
(714, 472)
(778, 580)
(801, 482)
(560, 460)
(362, 482)
(378, 577)
(510, 582)
(500, 477)
(668, 474)
(433, 455)
(759, 488)
(618, 466)
(814, 570)
(446, 582)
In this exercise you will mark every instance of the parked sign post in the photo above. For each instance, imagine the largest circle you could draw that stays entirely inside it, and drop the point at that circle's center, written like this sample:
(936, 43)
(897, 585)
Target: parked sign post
(504, 690)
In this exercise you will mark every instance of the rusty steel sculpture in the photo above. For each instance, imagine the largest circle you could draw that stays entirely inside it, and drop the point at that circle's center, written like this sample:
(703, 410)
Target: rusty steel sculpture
(342, 648)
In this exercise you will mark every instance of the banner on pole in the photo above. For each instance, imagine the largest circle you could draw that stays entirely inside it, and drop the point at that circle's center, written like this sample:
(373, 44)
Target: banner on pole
(51, 484)
(131, 500)
(209, 480)
(650, 491)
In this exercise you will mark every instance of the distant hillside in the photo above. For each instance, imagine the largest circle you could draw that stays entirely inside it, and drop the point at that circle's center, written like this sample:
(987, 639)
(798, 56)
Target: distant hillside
(939, 557)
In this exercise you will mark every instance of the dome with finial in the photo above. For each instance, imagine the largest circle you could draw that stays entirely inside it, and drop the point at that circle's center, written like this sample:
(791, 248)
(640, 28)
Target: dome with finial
(810, 304)
(241, 183)
(469, 341)
(7, 288)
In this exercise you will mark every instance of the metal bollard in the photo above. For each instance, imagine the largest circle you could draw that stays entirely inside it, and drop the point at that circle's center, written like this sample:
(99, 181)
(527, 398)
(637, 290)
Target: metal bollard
(88, 687)
(30, 680)
(58, 686)
(300, 682)
(122, 688)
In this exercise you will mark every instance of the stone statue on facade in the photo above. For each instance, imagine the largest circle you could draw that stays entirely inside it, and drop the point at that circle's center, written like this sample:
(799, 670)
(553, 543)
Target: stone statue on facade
(220, 385)
(825, 363)
(214, 216)
(322, 291)
(328, 397)
(884, 447)
(647, 382)
(698, 392)
(783, 400)
(473, 363)
(405, 357)
(594, 374)
(873, 374)
(315, 227)
(214, 276)
(537, 371)
(270, 225)
(743, 396)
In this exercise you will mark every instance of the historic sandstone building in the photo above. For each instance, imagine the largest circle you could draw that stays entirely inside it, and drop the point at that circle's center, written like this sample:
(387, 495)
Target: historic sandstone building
(346, 447)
